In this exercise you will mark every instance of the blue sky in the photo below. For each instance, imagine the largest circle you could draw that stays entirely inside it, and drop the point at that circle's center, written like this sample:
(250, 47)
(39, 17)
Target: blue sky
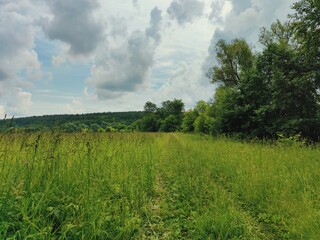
(64, 56)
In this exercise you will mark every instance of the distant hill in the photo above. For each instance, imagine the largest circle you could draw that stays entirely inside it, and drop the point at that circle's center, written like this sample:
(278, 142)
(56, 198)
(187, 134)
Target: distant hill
(109, 121)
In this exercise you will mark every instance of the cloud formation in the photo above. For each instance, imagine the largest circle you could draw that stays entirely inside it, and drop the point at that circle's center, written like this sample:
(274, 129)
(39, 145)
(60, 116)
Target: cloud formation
(17, 42)
(125, 66)
(244, 21)
(184, 83)
(19, 102)
(19, 63)
(185, 11)
(135, 57)
(74, 24)
(154, 30)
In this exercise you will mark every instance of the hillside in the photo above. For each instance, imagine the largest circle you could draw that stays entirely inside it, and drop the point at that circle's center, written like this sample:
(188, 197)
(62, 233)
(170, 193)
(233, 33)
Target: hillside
(108, 121)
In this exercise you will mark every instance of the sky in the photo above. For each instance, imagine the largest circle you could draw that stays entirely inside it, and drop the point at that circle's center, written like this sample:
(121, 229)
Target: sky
(68, 57)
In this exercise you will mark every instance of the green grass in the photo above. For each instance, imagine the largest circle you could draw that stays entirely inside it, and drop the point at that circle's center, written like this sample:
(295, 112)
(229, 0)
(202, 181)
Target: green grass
(155, 186)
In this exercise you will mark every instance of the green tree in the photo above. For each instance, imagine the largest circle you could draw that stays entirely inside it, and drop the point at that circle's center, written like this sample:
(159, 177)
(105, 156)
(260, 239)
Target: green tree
(188, 120)
(150, 107)
(275, 91)
(175, 107)
(233, 59)
(203, 124)
(148, 123)
(280, 33)
(95, 127)
(170, 124)
(71, 127)
(294, 95)
(201, 107)
(306, 25)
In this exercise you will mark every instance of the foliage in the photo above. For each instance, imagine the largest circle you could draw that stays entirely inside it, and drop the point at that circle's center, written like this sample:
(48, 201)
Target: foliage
(306, 26)
(275, 91)
(188, 120)
(150, 107)
(167, 118)
(170, 124)
(233, 59)
(118, 121)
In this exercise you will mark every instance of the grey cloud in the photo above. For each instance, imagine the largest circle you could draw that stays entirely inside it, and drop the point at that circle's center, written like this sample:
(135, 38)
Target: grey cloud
(241, 6)
(245, 20)
(16, 33)
(3, 75)
(185, 11)
(73, 23)
(155, 21)
(135, 2)
(125, 67)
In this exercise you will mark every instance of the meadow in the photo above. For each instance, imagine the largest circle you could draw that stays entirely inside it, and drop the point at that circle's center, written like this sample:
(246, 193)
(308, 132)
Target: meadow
(156, 186)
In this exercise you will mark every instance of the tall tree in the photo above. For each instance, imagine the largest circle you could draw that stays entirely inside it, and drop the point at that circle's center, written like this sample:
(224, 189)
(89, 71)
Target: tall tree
(233, 59)
(281, 33)
(273, 92)
(174, 107)
(306, 24)
(150, 107)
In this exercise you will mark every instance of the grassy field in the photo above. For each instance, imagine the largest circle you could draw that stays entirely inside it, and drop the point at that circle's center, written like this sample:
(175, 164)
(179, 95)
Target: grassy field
(155, 186)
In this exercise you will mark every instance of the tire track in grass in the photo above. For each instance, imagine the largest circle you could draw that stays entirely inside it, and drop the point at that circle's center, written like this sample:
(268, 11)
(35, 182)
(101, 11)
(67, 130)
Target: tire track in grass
(173, 216)
(156, 227)
(177, 213)
(163, 220)
(221, 207)
(256, 228)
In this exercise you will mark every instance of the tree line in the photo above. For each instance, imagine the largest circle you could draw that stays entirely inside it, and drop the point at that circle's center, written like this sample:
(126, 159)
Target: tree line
(260, 94)
(92, 122)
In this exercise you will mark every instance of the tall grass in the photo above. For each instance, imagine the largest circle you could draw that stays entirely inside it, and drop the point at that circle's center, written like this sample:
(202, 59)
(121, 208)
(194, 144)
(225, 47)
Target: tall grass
(155, 186)
(63, 186)
(277, 187)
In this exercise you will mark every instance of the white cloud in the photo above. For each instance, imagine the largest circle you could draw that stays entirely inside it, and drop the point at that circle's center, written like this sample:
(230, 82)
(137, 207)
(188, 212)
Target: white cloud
(17, 43)
(19, 63)
(19, 102)
(219, 10)
(58, 60)
(124, 66)
(184, 84)
(119, 27)
(76, 106)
